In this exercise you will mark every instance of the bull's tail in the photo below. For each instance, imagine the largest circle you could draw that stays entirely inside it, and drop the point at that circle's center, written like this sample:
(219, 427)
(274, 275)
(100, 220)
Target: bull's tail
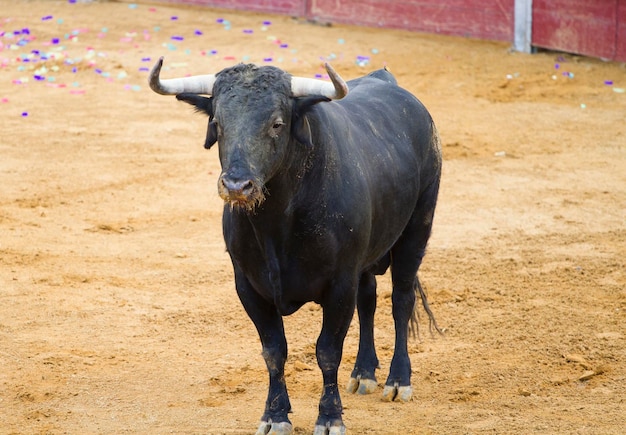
(415, 317)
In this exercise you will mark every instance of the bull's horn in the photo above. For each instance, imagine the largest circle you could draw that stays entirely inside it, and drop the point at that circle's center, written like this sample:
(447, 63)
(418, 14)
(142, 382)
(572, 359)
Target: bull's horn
(196, 84)
(336, 90)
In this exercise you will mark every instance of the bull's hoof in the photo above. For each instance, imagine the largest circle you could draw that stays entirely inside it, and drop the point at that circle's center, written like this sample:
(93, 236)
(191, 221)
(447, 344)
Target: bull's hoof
(327, 429)
(397, 393)
(269, 428)
(362, 386)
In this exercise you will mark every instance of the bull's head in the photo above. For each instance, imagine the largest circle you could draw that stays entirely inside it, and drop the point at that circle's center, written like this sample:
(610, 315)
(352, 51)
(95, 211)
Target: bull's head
(254, 113)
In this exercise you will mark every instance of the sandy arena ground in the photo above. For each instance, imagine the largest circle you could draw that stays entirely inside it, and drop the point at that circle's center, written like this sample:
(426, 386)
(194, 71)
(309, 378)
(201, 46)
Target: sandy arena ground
(117, 306)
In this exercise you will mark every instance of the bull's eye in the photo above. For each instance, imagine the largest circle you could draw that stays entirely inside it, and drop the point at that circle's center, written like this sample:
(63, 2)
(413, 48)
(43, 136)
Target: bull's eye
(276, 128)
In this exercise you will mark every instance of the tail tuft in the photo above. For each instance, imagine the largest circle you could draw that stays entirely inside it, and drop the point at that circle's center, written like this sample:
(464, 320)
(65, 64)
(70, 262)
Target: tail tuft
(415, 317)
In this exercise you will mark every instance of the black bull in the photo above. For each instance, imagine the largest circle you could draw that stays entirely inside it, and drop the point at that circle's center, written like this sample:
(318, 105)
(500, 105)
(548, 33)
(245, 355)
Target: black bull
(321, 196)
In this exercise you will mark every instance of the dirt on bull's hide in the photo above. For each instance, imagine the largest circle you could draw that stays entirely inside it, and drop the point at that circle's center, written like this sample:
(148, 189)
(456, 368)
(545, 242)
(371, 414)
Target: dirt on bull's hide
(117, 307)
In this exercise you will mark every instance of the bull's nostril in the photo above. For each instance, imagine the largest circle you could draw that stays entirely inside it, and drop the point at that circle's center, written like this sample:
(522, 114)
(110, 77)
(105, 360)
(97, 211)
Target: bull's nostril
(237, 187)
(246, 187)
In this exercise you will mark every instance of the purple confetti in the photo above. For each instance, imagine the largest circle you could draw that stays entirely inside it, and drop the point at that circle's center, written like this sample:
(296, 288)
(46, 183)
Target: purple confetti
(173, 18)
(143, 68)
(26, 31)
(198, 32)
(98, 71)
(557, 66)
(267, 59)
(248, 31)
(177, 38)
(284, 45)
(146, 59)
(39, 78)
(55, 40)
(46, 18)
(71, 1)
(219, 20)
(608, 82)
(24, 114)
(267, 23)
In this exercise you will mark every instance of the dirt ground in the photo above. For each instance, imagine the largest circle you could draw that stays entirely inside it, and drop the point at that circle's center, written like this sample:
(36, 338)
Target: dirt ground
(117, 306)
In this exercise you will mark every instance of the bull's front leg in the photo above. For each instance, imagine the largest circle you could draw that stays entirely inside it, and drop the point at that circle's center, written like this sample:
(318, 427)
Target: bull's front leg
(269, 325)
(338, 309)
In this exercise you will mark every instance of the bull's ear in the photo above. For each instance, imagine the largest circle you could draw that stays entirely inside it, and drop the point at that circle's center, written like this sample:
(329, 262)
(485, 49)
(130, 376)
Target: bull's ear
(211, 135)
(301, 129)
(202, 104)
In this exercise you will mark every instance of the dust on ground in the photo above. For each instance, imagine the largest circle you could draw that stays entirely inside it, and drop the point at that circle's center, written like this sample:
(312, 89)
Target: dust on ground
(117, 306)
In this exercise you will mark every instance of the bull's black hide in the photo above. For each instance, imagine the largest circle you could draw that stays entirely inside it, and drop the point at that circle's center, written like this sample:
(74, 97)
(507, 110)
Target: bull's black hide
(321, 195)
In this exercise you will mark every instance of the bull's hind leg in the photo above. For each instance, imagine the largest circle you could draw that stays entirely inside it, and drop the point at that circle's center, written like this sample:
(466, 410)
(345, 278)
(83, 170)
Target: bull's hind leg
(406, 258)
(363, 377)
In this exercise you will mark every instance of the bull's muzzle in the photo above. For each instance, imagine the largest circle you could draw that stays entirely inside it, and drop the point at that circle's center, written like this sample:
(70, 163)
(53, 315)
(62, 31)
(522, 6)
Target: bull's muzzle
(240, 192)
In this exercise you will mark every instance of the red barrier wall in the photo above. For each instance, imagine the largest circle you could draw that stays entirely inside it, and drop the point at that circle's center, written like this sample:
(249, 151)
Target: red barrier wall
(620, 48)
(471, 18)
(286, 7)
(592, 27)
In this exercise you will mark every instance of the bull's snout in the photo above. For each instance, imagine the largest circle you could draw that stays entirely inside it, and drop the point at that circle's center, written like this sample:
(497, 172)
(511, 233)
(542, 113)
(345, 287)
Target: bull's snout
(237, 188)
(240, 191)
